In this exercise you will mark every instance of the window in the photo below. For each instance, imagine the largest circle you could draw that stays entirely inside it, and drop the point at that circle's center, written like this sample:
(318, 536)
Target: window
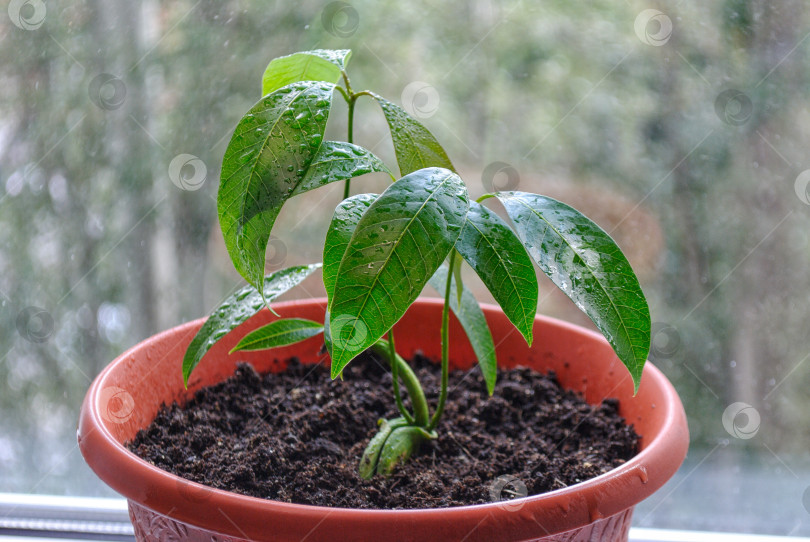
(680, 128)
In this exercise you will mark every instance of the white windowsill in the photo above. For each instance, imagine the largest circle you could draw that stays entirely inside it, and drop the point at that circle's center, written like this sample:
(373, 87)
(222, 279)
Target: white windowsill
(638, 534)
(90, 518)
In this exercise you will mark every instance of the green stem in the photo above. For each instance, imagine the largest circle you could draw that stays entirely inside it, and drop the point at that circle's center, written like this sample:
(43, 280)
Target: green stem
(445, 345)
(392, 356)
(411, 383)
(350, 128)
(350, 135)
(343, 93)
(347, 82)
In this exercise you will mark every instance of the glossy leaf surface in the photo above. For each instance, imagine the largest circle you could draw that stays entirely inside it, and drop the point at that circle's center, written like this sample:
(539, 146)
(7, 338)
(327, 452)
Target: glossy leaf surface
(588, 266)
(339, 161)
(491, 248)
(237, 308)
(279, 333)
(414, 145)
(344, 221)
(396, 247)
(472, 319)
(316, 65)
(266, 160)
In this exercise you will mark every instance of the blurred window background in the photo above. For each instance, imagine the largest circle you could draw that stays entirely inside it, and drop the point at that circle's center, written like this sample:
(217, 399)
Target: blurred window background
(680, 127)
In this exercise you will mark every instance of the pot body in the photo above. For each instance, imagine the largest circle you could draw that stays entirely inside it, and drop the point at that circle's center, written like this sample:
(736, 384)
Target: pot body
(126, 396)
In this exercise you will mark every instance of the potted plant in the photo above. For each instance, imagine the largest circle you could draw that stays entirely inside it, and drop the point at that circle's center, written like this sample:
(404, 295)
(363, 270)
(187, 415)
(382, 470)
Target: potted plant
(380, 252)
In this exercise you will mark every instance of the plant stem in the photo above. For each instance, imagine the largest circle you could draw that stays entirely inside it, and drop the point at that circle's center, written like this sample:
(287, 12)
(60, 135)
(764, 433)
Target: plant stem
(392, 356)
(343, 93)
(350, 139)
(411, 383)
(350, 128)
(347, 82)
(350, 134)
(445, 345)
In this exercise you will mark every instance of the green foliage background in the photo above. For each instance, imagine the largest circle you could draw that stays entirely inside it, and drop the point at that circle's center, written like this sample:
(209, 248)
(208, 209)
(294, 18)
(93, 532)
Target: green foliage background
(97, 235)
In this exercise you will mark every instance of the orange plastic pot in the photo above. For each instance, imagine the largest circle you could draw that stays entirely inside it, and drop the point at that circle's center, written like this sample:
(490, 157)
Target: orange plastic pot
(128, 393)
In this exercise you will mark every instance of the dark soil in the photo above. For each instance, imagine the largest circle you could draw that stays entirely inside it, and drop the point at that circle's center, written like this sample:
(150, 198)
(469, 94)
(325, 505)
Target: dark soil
(297, 437)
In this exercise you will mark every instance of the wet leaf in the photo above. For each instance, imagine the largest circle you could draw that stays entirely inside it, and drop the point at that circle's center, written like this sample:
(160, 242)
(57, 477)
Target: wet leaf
(414, 145)
(344, 221)
(472, 319)
(279, 333)
(316, 65)
(491, 248)
(338, 161)
(265, 162)
(396, 247)
(237, 309)
(587, 265)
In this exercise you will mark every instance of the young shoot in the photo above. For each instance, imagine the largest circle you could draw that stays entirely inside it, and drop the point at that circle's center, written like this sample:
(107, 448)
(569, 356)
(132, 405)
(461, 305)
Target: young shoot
(382, 249)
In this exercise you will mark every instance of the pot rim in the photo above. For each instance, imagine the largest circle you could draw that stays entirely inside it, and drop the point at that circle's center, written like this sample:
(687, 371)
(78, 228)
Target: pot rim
(97, 444)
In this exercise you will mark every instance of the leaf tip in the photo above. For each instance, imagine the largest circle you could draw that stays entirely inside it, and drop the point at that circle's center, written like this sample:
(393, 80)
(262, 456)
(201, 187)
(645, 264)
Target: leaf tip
(528, 337)
(188, 367)
(637, 376)
(187, 370)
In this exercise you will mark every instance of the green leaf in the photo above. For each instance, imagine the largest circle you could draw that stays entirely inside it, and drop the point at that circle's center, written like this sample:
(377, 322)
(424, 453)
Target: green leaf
(396, 247)
(491, 248)
(368, 463)
(317, 65)
(588, 266)
(344, 221)
(279, 333)
(237, 309)
(394, 443)
(414, 145)
(267, 159)
(472, 319)
(327, 336)
(457, 275)
(401, 444)
(338, 161)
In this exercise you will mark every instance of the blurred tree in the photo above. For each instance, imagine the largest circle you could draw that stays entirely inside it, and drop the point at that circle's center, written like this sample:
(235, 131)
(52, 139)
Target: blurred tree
(99, 101)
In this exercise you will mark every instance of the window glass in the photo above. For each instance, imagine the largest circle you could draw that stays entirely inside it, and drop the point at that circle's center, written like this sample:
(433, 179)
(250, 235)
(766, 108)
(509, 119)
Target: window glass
(681, 129)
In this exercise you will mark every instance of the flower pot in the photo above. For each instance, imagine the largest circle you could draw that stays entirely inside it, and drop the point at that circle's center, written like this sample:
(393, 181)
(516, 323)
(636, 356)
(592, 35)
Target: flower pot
(128, 393)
